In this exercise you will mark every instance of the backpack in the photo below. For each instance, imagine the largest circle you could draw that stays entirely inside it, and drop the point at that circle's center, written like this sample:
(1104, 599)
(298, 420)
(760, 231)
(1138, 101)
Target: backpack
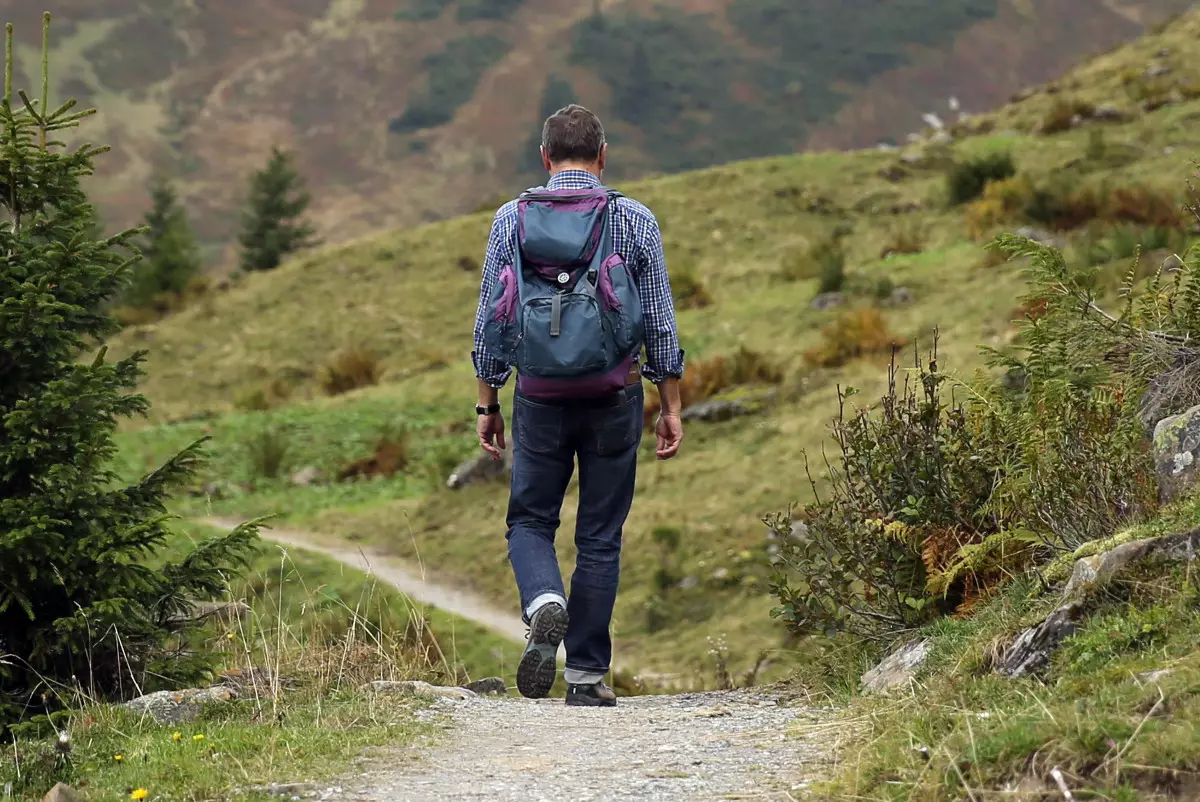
(566, 312)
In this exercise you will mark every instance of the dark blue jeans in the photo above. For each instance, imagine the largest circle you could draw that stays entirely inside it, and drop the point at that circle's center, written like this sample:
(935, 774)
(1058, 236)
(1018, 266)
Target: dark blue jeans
(547, 438)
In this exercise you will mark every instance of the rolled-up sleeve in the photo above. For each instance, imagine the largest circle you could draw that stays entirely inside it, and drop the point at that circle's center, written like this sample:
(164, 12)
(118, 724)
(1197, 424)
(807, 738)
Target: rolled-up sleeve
(499, 253)
(664, 357)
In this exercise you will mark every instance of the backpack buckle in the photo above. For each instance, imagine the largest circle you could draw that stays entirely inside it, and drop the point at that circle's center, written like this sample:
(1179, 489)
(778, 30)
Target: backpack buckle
(563, 278)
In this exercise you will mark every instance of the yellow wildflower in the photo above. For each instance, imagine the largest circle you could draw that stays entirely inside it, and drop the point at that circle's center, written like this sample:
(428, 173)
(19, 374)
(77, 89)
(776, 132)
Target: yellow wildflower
(139, 793)
(118, 758)
(176, 736)
(230, 636)
(198, 737)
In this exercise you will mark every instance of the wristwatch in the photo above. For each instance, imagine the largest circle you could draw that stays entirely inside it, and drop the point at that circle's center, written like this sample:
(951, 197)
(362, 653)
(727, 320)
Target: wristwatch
(490, 409)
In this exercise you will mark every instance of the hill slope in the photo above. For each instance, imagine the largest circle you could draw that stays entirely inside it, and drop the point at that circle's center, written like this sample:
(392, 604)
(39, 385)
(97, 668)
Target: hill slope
(738, 233)
(383, 96)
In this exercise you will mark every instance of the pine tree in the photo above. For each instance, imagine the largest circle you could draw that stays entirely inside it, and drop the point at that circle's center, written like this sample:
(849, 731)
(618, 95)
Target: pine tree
(80, 605)
(170, 255)
(272, 225)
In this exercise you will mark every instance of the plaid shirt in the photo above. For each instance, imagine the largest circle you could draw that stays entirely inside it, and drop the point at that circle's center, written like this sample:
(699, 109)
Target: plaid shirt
(637, 238)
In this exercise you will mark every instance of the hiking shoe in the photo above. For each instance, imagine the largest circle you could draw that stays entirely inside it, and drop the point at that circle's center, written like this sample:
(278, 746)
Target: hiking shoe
(594, 695)
(538, 667)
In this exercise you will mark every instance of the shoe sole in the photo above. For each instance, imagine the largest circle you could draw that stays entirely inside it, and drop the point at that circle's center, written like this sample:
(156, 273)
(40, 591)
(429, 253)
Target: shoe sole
(587, 701)
(539, 665)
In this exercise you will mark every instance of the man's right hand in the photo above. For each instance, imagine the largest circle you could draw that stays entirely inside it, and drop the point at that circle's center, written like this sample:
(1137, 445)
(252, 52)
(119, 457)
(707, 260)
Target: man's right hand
(669, 434)
(490, 429)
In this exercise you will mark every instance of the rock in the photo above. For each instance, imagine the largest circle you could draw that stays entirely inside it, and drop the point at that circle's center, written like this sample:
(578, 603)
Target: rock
(199, 610)
(418, 688)
(901, 296)
(828, 300)
(689, 582)
(1156, 70)
(489, 685)
(893, 173)
(1033, 648)
(305, 476)
(1171, 264)
(897, 669)
(480, 469)
(61, 792)
(1177, 453)
(799, 532)
(288, 790)
(1154, 676)
(716, 409)
(1040, 236)
(172, 707)
(1107, 113)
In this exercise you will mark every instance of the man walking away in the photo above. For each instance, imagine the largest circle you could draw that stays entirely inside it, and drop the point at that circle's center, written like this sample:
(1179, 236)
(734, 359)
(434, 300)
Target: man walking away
(574, 284)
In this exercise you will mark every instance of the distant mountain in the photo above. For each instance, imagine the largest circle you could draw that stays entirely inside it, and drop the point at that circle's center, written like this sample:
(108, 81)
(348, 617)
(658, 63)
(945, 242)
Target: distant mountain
(409, 110)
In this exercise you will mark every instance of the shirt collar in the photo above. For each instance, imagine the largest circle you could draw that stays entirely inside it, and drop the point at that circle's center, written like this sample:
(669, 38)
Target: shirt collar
(573, 179)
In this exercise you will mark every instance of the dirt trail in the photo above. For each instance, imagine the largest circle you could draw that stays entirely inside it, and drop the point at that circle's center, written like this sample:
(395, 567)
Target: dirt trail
(696, 746)
(399, 574)
(699, 746)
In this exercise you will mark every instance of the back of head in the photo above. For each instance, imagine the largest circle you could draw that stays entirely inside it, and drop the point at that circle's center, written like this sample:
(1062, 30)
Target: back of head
(573, 135)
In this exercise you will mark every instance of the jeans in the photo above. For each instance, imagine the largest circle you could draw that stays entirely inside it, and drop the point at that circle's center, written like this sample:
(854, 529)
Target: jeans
(547, 437)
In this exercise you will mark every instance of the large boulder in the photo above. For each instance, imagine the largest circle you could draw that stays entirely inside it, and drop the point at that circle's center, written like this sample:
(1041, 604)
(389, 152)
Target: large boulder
(1177, 453)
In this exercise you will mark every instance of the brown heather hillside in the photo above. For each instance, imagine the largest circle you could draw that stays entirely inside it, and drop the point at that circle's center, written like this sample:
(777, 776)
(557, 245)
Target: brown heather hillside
(405, 111)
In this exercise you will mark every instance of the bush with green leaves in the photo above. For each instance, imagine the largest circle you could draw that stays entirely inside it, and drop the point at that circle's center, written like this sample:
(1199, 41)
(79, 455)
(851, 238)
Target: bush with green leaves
(931, 505)
(905, 492)
(82, 610)
(965, 181)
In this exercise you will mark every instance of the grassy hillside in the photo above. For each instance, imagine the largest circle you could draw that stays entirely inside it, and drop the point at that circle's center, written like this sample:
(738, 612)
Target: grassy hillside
(247, 366)
(381, 96)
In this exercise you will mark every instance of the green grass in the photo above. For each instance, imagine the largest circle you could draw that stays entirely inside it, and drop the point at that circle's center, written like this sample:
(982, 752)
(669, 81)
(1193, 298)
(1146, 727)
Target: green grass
(224, 754)
(966, 732)
(320, 627)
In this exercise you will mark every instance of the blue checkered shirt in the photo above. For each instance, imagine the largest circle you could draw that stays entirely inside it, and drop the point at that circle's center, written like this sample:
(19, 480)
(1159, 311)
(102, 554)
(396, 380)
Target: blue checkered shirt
(637, 238)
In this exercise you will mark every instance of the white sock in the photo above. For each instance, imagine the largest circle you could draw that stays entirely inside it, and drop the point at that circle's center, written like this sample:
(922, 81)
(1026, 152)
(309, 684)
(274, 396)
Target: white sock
(541, 601)
(574, 676)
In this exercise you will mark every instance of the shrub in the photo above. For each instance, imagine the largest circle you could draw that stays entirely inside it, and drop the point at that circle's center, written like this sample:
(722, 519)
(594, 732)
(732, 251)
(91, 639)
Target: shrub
(350, 369)
(906, 492)
(89, 601)
(854, 333)
(267, 450)
(1063, 114)
(688, 290)
(389, 456)
(705, 378)
(824, 260)
(966, 181)
(904, 239)
(832, 263)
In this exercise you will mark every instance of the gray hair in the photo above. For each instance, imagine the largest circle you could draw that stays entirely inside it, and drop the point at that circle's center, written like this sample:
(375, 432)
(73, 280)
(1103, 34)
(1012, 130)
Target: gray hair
(572, 134)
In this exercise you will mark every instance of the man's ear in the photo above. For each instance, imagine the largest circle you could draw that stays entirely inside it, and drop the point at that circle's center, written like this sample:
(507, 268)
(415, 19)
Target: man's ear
(545, 158)
(603, 156)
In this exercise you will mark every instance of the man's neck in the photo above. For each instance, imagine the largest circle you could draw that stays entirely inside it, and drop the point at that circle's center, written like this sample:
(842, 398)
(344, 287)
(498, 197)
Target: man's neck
(555, 169)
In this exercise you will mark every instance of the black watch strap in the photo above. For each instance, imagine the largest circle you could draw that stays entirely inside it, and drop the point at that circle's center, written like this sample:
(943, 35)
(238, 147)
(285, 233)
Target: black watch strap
(490, 409)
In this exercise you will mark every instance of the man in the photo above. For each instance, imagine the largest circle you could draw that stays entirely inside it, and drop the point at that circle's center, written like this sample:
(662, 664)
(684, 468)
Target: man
(590, 418)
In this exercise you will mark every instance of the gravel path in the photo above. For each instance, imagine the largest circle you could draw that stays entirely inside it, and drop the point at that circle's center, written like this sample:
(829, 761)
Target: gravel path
(721, 745)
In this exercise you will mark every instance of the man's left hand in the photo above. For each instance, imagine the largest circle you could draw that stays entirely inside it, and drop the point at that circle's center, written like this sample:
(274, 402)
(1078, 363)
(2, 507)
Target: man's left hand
(490, 429)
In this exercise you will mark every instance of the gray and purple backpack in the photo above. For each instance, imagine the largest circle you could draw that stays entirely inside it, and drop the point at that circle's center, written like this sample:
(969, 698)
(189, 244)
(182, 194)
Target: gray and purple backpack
(566, 313)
